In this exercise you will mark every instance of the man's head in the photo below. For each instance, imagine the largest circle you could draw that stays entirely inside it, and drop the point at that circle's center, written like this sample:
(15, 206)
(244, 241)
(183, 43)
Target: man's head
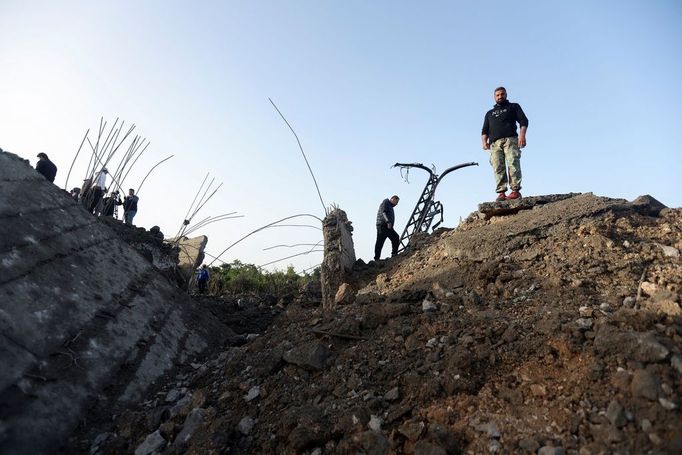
(131, 192)
(42, 156)
(394, 200)
(500, 94)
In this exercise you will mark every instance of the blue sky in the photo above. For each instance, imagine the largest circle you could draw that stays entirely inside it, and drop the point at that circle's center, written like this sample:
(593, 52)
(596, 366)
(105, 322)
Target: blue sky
(364, 84)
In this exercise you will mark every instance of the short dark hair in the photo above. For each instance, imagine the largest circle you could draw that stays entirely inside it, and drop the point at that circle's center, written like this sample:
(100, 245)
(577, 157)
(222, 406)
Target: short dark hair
(130, 189)
(499, 88)
(42, 155)
(395, 196)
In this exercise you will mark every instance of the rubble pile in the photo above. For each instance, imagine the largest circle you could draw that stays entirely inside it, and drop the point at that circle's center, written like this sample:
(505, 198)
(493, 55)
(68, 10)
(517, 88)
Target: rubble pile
(553, 330)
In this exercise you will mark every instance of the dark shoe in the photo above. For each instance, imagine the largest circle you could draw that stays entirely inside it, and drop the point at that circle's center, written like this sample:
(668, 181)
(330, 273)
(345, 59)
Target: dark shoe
(514, 195)
(501, 196)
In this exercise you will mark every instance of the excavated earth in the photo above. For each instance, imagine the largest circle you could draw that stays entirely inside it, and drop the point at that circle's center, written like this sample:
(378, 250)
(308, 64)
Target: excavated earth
(551, 329)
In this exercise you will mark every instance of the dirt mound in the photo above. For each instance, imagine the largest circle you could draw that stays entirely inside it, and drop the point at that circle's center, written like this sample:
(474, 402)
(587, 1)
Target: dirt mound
(553, 330)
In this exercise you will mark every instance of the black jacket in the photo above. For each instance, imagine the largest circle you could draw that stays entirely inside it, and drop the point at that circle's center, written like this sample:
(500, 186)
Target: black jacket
(130, 203)
(47, 168)
(385, 208)
(500, 121)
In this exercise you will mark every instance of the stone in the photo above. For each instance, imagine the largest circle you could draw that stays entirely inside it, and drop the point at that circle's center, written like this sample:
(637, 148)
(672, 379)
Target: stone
(585, 312)
(432, 342)
(616, 414)
(192, 423)
(538, 390)
(676, 363)
(645, 425)
(494, 446)
(172, 395)
(670, 251)
(344, 295)
(245, 425)
(549, 450)
(254, 392)
(584, 323)
(312, 355)
(429, 306)
(374, 423)
(629, 302)
(490, 429)
(667, 404)
(151, 444)
(649, 350)
(412, 429)
(393, 394)
(655, 439)
(529, 445)
(649, 288)
(644, 384)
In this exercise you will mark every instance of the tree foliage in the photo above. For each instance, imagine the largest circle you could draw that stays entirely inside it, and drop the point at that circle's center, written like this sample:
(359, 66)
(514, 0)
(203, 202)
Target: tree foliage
(239, 278)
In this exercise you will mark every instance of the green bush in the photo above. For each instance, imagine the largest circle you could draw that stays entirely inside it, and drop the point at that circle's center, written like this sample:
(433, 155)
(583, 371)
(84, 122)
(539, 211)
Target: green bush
(239, 278)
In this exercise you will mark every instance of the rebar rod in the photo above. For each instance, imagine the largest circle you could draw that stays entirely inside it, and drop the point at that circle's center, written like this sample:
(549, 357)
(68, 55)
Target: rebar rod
(289, 257)
(292, 246)
(66, 184)
(150, 171)
(260, 229)
(324, 207)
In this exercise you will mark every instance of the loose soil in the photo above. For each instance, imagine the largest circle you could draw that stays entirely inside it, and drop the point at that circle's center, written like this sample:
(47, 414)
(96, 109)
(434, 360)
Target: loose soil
(555, 329)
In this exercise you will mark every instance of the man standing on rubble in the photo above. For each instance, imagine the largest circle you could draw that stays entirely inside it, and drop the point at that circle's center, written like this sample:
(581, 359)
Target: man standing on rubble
(96, 193)
(500, 137)
(385, 221)
(130, 206)
(46, 167)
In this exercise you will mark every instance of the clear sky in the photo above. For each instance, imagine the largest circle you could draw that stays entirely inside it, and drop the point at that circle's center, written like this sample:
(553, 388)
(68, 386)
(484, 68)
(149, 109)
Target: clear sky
(364, 84)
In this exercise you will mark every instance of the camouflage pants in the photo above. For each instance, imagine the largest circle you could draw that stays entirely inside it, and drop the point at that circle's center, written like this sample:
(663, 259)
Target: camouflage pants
(505, 158)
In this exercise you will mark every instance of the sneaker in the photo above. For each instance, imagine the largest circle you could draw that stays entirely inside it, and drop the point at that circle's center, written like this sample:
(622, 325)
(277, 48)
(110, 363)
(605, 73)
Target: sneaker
(501, 196)
(514, 195)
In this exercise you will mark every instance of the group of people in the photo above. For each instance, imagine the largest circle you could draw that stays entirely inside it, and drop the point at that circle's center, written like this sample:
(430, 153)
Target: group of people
(92, 194)
(499, 136)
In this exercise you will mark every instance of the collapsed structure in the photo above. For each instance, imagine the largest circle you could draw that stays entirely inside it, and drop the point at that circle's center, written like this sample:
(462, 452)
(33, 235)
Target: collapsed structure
(85, 319)
(543, 325)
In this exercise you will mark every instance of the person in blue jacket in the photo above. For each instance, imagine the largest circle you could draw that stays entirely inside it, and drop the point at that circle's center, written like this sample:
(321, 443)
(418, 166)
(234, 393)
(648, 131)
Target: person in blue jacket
(202, 278)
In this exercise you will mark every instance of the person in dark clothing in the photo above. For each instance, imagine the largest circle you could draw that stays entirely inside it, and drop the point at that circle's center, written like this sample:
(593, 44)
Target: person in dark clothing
(130, 207)
(97, 191)
(109, 203)
(500, 137)
(46, 167)
(202, 278)
(385, 221)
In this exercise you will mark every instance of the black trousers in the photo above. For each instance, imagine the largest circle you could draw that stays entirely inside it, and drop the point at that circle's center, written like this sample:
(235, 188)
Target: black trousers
(383, 232)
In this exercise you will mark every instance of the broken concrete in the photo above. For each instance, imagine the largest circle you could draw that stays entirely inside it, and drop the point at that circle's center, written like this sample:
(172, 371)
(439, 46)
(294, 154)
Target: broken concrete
(82, 315)
(339, 254)
(191, 255)
(511, 206)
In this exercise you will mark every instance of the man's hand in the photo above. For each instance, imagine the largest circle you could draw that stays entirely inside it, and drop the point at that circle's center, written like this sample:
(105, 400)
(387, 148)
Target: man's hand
(522, 141)
(486, 146)
(390, 226)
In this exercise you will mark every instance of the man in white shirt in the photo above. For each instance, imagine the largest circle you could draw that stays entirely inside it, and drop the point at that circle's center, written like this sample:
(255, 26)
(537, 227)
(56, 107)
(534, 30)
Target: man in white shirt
(98, 187)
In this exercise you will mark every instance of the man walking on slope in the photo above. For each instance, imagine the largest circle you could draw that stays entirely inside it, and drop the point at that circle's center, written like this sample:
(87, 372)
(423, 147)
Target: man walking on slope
(385, 220)
(500, 137)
